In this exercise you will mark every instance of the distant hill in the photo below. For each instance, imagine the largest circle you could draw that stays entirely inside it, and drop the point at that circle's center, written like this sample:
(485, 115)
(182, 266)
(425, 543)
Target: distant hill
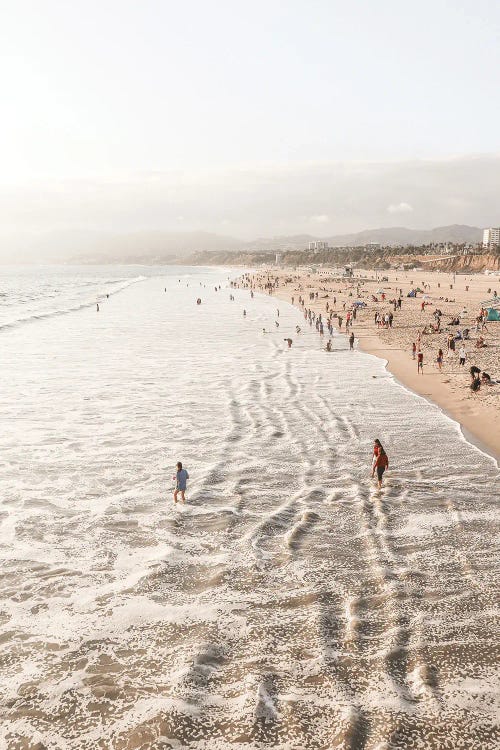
(158, 246)
(281, 242)
(403, 236)
(90, 246)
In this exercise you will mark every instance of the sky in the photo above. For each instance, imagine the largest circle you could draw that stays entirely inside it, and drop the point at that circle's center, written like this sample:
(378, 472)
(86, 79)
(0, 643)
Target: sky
(248, 119)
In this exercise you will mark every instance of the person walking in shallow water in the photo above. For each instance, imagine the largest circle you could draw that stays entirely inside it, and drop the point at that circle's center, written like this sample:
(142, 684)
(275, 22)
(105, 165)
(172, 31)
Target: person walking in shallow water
(180, 478)
(380, 462)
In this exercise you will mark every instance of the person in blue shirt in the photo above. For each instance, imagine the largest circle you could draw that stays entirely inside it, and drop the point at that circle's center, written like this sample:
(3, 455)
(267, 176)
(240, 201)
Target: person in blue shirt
(180, 478)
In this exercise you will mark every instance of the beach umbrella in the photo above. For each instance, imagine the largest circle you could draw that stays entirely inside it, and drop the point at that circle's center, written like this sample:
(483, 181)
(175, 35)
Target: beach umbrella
(380, 291)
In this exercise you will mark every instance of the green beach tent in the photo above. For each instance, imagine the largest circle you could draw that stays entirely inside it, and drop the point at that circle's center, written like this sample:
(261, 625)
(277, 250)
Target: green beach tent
(493, 314)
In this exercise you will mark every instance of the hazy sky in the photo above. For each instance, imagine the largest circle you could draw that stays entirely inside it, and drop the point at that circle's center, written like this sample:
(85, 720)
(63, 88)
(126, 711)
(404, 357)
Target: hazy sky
(194, 112)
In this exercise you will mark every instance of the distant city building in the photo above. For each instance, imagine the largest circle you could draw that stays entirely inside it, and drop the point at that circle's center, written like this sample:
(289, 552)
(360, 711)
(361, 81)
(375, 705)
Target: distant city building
(373, 245)
(278, 258)
(318, 245)
(491, 238)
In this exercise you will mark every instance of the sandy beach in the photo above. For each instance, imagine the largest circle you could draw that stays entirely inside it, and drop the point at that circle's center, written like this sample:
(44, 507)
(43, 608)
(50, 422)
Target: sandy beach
(455, 295)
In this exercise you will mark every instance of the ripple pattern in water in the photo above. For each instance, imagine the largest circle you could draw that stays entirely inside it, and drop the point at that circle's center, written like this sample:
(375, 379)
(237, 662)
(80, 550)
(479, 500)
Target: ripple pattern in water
(289, 604)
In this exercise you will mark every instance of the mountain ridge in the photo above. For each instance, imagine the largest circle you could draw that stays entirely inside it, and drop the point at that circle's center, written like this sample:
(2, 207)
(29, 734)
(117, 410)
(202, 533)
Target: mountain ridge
(153, 246)
(405, 236)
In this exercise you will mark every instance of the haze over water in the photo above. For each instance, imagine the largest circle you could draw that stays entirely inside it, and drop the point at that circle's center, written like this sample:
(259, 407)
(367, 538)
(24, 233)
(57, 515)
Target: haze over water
(289, 604)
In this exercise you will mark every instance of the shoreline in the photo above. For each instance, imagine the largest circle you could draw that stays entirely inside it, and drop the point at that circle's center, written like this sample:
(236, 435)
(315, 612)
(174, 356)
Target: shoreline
(467, 422)
(467, 434)
(479, 421)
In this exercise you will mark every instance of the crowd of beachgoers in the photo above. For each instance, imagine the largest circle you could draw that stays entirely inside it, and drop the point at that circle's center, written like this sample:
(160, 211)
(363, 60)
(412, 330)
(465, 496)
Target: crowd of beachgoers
(433, 325)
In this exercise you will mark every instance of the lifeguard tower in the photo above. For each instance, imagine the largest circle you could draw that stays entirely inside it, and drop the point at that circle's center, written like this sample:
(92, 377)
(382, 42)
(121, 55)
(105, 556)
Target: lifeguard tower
(348, 272)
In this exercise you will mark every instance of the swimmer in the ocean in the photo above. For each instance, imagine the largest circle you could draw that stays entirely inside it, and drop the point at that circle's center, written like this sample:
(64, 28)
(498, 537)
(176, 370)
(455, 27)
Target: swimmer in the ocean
(289, 342)
(97, 306)
(329, 346)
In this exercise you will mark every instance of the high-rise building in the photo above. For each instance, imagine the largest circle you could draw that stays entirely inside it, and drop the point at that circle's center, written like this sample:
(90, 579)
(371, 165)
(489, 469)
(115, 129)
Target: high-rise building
(318, 245)
(491, 238)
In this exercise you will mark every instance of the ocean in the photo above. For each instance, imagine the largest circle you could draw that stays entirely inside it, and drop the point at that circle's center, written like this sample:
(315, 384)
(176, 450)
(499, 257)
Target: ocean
(289, 604)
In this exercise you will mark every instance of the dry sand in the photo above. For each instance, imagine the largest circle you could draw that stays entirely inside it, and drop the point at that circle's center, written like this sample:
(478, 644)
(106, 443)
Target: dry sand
(477, 413)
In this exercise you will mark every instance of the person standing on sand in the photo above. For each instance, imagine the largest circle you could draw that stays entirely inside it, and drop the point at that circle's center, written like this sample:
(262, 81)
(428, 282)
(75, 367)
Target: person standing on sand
(462, 355)
(440, 359)
(451, 345)
(413, 350)
(380, 462)
(180, 479)
(420, 363)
